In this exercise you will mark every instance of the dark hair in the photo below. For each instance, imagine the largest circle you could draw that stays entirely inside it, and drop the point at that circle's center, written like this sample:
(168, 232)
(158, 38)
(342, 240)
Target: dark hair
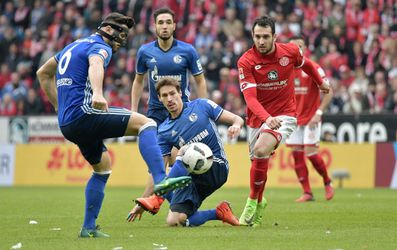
(300, 37)
(163, 11)
(118, 19)
(167, 81)
(264, 21)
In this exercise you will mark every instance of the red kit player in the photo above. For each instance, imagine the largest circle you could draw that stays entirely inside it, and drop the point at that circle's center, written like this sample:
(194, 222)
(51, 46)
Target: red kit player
(266, 75)
(306, 138)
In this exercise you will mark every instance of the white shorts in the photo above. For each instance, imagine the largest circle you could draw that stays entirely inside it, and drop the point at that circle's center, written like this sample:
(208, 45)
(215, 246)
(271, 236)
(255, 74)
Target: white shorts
(305, 136)
(288, 125)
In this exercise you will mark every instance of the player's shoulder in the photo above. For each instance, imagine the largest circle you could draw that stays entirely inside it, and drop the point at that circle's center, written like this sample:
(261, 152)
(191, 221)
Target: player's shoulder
(183, 44)
(247, 57)
(287, 49)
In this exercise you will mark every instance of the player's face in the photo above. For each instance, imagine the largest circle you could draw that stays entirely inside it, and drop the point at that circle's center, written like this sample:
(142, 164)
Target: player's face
(300, 43)
(165, 26)
(263, 39)
(121, 35)
(171, 99)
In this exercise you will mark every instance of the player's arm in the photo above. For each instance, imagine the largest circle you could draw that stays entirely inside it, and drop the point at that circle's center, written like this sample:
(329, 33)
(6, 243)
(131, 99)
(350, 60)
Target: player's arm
(96, 73)
(309, 67)
(235, 122)
(201, 85)
(136, 91)
(46, 76)
(248, 87)
(327, 98)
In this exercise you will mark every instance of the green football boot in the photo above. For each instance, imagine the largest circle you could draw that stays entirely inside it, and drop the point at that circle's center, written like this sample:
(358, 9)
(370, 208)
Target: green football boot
(92, 233)
(259, 213)
(247, 217)
(169, 184)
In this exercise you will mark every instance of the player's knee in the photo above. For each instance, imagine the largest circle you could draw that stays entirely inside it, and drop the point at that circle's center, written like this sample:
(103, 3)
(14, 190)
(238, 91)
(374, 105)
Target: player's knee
(173, 221)
(262, 151)
(176, 219)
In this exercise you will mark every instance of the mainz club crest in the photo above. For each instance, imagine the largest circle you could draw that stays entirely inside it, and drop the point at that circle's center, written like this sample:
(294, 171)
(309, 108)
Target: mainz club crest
(284, 61)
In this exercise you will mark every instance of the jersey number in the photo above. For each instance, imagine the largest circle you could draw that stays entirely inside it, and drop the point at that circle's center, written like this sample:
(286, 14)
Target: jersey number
(66, 57)
(64, 62)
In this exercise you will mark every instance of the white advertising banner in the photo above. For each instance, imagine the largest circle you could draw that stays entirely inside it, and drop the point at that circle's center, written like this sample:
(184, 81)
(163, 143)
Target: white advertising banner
(7, 164)
(44, 129)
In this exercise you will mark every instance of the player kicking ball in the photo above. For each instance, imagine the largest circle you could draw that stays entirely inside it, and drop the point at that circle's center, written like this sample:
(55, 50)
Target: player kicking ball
(190, 122)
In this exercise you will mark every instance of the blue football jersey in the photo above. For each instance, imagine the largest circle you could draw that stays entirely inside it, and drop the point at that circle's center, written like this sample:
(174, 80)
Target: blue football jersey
(73, 86)
(175, 62)
(196, 123)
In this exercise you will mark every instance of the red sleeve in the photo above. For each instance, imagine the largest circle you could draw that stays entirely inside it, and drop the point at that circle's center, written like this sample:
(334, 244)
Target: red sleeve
(254, 105)
(310, 69)
(248, 87)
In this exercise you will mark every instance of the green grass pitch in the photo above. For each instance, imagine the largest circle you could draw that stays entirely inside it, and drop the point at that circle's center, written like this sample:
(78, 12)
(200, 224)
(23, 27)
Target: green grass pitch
(355, 219)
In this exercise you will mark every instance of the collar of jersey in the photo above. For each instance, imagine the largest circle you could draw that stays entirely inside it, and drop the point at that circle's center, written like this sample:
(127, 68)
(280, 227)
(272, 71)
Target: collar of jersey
(156, 44)
(268, 58)
(184, 106)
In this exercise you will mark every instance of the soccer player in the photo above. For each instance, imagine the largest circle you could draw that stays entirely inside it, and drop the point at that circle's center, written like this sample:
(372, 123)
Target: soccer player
(306, 138)
(166, 57)
(266, 75)
(191, 122)
(73, 81)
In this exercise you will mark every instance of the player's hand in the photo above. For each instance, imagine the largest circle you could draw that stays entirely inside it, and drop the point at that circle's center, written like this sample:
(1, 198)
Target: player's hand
(233, 131)
(99, 102)
(325, 87)
(135, 213)
(273, 122)
(314, 121)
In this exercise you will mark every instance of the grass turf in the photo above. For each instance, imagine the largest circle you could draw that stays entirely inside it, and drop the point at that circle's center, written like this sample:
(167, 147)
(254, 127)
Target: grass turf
(355, 219)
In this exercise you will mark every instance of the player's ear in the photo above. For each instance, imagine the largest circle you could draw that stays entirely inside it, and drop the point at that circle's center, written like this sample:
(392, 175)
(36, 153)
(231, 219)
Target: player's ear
(275, 36)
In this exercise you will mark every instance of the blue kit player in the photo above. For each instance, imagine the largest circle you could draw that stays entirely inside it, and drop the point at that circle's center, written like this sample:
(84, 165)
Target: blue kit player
(190, 122)
(166, 57)
(73, 81)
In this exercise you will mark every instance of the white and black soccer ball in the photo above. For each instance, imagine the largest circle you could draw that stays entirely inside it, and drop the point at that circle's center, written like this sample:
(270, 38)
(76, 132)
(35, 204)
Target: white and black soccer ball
(197, 158)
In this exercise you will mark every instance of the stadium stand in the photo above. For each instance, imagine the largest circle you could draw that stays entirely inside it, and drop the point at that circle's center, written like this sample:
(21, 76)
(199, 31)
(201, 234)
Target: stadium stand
(354, 41)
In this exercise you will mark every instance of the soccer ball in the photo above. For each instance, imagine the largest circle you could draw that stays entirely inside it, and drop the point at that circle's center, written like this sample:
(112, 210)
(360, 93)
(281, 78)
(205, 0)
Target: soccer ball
(197, 158)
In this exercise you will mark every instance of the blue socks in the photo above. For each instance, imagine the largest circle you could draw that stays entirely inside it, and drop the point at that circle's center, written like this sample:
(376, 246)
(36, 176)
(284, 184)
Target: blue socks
(177, 170)
(94, 194)
(151, 153)
(201, 217)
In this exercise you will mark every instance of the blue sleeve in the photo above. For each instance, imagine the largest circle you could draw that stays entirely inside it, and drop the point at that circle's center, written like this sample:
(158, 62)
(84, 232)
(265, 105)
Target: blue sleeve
(213, 110)
(101, 50)
(194, 61)
(165, 146)
(140, 62)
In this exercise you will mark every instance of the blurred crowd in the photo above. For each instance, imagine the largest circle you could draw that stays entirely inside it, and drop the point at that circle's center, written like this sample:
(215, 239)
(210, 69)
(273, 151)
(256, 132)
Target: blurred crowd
(354, 41)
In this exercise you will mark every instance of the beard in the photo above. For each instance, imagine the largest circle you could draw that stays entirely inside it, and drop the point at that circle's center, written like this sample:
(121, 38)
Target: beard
(164, 37)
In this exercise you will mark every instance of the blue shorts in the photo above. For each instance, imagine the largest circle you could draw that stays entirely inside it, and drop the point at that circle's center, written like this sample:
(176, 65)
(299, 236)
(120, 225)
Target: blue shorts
(158, 114)
(89, 131)
(187, 200)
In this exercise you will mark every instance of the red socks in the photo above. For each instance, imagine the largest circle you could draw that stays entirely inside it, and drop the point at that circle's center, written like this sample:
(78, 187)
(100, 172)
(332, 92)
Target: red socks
(301, 170)
(258, 177)
(319, 165)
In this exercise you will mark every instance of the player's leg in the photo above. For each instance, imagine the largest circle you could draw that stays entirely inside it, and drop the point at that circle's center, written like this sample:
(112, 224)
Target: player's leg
(83, 132)
(263, 142)
(153, 203)
(94, 194)
(262, 148)
(146, 129)
(311, 141)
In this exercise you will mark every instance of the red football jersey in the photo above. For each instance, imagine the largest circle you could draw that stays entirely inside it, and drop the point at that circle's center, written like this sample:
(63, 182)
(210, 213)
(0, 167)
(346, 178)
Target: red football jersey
(269, 78)
(307, 94)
